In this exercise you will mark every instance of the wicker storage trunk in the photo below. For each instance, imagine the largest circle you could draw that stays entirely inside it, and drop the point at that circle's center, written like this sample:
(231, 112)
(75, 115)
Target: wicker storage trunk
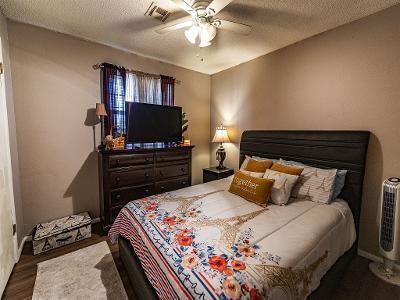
(60, 232)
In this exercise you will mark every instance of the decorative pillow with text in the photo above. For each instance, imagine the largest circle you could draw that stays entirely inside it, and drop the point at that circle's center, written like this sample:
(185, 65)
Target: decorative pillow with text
(253, 189)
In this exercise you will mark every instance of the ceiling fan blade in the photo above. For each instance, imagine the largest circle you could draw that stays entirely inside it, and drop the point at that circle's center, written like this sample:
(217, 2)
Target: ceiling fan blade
(185, 6)
(235, 27)
(172, 27)
(218, 5)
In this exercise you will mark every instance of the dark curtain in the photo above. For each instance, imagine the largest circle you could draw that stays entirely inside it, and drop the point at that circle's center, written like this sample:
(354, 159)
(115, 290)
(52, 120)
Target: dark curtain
(167, 90)
(113, 97)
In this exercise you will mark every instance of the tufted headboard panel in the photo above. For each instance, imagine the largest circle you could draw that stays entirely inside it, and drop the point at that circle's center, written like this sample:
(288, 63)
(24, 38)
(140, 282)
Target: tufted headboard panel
(324, 149)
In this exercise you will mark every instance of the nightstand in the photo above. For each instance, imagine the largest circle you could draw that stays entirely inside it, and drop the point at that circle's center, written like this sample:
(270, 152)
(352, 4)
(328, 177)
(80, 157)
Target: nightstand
(210, 174)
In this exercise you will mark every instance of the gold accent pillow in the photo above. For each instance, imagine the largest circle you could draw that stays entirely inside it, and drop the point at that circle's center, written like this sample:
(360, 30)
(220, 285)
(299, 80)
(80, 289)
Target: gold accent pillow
(256, 190)
(258, 166)
(292, 170)
(257, 158)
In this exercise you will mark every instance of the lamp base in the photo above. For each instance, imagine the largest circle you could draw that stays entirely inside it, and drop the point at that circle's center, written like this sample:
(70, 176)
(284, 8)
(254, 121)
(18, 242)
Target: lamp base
(220, 156)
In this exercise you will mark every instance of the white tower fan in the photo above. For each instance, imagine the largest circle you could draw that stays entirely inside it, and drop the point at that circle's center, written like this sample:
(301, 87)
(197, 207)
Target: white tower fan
(389, 234)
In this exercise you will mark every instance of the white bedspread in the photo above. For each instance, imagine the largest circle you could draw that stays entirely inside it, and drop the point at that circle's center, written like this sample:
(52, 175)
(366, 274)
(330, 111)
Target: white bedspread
(299, 232)
(300, 241)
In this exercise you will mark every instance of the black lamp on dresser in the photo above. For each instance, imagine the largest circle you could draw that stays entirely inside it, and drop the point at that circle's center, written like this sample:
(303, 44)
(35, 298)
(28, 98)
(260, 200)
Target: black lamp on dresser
(126, 175)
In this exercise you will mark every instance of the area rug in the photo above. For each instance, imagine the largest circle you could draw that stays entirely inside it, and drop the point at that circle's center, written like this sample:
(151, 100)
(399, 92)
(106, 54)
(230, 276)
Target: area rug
(88, 273)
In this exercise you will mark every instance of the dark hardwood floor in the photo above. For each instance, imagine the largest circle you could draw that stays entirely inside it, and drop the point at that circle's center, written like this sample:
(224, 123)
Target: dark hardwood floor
(358, 283)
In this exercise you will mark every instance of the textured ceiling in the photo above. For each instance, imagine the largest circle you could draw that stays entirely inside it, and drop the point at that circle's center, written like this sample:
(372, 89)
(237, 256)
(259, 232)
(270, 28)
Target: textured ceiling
(122, 24)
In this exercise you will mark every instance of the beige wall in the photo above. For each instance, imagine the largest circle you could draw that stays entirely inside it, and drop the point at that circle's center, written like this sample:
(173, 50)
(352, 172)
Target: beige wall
(54, 86)
(11, 127)
(347, 78)
(7, 211)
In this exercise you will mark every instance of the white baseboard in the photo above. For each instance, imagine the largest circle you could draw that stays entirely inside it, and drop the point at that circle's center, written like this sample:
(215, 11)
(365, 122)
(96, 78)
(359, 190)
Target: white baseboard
(96, 220)
(21, 246)
(369, 256)
(373, 257)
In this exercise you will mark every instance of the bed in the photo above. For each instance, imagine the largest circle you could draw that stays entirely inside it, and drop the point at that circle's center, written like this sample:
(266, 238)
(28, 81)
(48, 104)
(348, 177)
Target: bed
(204, 242)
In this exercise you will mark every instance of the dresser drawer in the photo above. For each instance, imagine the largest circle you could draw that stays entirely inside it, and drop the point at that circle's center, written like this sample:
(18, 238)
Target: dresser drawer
(172, 171)
(172, 184)
(117, 161)
(171, 156)
(122, 196)
(131, 177)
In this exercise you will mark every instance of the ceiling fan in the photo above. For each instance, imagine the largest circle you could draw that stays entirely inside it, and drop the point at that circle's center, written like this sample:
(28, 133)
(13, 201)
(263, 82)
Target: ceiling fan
(203, 22)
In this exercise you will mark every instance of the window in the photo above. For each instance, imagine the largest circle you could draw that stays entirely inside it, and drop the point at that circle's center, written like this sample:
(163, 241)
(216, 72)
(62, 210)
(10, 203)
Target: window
(119, 103)
(121, 86)
(143, 88)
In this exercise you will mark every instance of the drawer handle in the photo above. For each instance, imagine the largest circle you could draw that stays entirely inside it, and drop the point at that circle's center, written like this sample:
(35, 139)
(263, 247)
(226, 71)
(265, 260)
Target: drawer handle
(183, 169)
(117, 161)
(183, 182)
(162, 187)
(117, 179)
(146, 175)
(118, 196)
(147, 191)
(146, 159)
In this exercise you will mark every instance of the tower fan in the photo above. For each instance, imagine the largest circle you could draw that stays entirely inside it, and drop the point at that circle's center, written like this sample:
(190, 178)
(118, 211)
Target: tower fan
(389, 234)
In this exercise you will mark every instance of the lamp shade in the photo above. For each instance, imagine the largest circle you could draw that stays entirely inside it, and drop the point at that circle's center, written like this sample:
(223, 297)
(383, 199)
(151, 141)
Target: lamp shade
(100, 110)
(221, 135)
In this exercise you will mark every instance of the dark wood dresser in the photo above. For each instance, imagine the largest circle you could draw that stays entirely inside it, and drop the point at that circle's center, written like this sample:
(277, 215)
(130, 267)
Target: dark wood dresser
(126, 175)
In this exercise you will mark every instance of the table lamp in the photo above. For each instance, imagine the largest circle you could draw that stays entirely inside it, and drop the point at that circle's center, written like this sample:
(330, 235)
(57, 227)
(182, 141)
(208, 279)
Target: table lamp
(101, 113)
(221, 136)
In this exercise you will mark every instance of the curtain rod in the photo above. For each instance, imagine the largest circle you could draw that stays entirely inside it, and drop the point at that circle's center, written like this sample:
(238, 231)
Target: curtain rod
(99, 66)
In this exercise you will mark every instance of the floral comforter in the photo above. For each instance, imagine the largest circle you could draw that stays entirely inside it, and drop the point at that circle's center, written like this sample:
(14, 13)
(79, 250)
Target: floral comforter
(203, 242)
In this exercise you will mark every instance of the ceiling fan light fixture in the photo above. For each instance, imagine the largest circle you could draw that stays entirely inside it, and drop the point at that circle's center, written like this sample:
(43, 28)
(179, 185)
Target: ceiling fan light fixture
(212, 32)
(204, 21)
(207, 34)
(204, 44)
(192, 34)
(210, 11)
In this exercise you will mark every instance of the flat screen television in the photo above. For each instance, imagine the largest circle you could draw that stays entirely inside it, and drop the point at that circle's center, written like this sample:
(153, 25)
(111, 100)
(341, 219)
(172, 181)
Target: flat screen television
(149, 123)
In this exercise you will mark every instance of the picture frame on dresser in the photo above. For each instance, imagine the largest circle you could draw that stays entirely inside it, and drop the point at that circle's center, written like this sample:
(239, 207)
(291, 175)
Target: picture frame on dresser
(131, 174)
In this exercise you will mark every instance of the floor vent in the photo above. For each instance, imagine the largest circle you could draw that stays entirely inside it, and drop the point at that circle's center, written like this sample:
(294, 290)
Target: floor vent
(157, 12)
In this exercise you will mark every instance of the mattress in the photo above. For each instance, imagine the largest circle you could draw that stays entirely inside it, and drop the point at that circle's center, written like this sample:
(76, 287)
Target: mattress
(203, 242)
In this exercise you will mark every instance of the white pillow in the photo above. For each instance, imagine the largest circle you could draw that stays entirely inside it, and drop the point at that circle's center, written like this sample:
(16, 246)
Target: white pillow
(244, 163)
(314, 184)
(253, 174)
(282, 187)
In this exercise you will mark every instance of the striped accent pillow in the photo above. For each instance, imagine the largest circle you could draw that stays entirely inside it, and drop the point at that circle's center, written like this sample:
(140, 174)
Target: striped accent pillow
(314, 184)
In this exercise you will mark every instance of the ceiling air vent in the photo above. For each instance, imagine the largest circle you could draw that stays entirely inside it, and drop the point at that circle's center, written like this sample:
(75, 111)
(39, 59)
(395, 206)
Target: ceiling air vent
(157, 12)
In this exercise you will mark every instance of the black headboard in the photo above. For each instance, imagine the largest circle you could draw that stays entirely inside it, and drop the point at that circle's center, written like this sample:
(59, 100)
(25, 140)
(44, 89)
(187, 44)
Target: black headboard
(324, 149)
